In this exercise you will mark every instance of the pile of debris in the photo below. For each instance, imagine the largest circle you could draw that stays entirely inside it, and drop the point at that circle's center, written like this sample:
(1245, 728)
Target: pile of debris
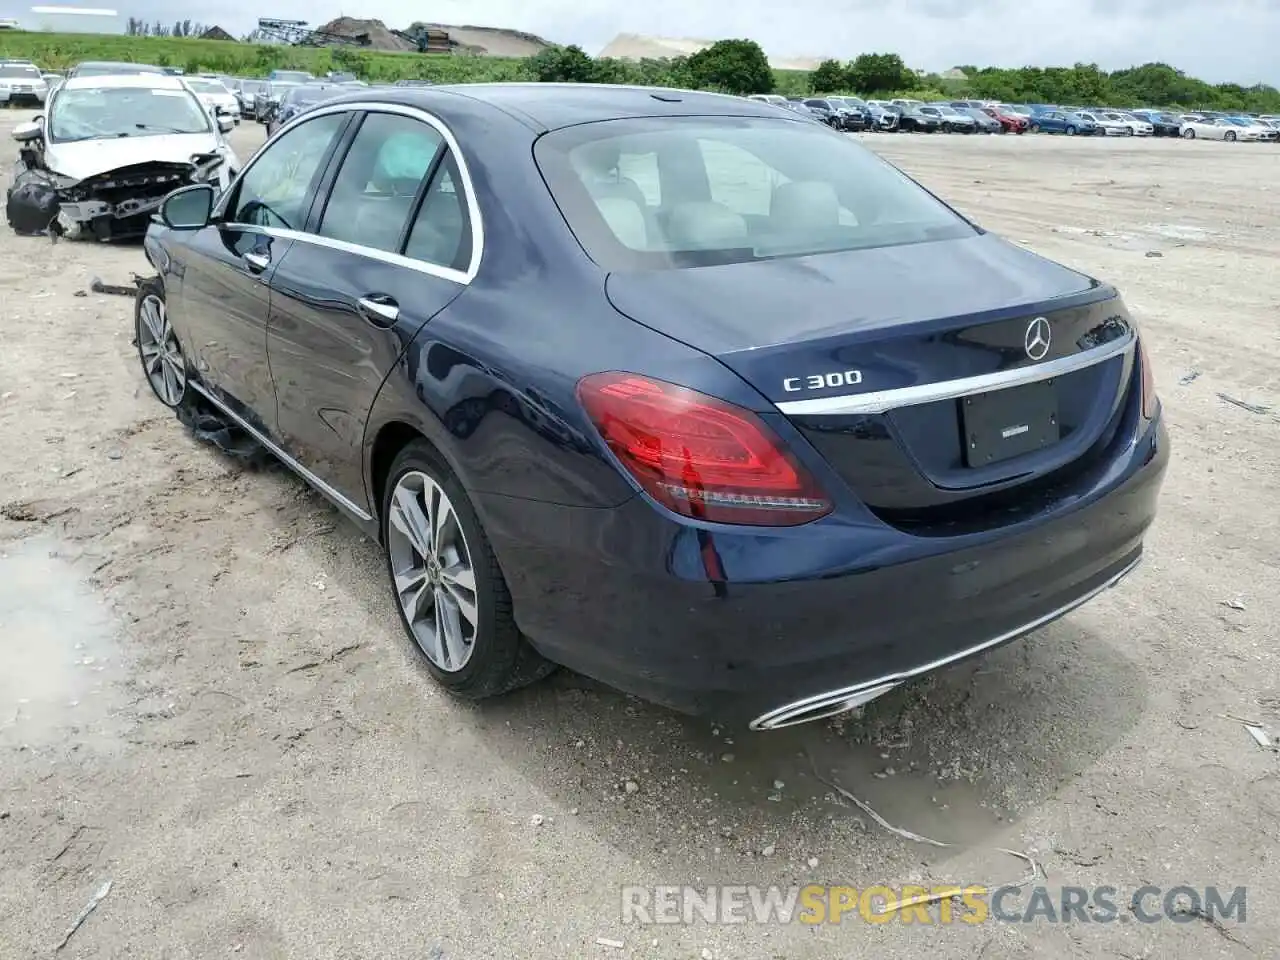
(435, 38)
(486, 41)
(376, 32)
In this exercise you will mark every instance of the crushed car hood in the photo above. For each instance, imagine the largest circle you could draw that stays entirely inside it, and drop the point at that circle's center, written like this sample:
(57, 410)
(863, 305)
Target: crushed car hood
(86, 158)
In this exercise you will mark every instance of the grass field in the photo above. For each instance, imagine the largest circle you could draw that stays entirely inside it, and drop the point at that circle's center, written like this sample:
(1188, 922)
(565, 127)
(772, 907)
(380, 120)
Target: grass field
(57, 51)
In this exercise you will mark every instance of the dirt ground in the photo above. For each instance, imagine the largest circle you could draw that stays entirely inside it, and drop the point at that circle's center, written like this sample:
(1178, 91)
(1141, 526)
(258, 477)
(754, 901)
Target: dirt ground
(205, 699)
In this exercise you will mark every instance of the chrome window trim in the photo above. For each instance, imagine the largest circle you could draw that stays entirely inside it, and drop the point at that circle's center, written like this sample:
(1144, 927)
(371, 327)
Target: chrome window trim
(881, 401)
(329, 491)
(463, 277)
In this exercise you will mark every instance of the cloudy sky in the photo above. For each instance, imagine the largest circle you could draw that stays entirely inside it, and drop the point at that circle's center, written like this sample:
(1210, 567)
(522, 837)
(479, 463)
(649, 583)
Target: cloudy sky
(1217, 40)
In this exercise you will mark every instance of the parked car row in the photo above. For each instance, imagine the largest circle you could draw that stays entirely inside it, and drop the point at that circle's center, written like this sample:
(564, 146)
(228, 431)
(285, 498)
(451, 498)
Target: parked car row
(854, 114)
(1112, 122)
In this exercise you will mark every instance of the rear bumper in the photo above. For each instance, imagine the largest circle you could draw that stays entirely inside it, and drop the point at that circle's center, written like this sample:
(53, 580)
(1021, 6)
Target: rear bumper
(738, 625)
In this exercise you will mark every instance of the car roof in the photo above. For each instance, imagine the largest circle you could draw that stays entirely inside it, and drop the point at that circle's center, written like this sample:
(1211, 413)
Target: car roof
(119, 63)
(550, 106)
(146, 81)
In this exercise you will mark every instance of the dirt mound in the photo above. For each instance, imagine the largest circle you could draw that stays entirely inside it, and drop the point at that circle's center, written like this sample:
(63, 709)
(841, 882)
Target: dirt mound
(380, 38)
(479, 41)
(633, 46)
(488, 41)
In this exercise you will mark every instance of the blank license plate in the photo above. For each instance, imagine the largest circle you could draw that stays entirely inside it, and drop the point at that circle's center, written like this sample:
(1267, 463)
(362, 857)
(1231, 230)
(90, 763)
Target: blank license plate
(1008, 423)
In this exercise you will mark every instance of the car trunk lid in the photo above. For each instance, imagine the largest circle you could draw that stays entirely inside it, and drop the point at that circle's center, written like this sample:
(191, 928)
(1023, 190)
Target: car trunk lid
(929, 376)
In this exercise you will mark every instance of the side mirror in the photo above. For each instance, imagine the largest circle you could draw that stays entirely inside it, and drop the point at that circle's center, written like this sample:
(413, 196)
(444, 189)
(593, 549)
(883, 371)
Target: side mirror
(225, 123)
(27, 132)
(188, 208)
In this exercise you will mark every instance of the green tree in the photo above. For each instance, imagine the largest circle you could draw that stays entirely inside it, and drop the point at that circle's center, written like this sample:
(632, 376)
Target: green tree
(829, 77)
(562, 65)
(734, 66)
(875, 72)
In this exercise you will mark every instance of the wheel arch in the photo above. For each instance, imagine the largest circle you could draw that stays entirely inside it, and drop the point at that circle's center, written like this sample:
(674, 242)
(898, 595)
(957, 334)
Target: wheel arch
(387, 442)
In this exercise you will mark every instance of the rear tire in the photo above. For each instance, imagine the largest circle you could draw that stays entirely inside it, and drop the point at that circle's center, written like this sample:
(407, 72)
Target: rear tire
(947, 128)
(434, 544)
(1188, 134)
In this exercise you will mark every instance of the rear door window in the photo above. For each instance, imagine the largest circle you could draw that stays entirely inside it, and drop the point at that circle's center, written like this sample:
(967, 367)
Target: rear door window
(441, 231)
(374, 192)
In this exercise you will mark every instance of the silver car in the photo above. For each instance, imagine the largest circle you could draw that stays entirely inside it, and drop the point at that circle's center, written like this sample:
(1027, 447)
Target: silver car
(22, 84)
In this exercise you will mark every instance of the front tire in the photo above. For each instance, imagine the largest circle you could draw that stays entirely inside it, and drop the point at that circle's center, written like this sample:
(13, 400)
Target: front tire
(1071, 131)
(453, 600)
(163, 362)
(1230, 136)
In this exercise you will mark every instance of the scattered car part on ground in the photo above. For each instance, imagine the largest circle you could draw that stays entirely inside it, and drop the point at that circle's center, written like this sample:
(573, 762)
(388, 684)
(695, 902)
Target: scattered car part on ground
(108, 150)
(483, 433)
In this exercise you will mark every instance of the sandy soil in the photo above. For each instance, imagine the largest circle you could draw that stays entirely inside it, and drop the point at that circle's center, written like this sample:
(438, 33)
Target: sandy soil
(204, 697)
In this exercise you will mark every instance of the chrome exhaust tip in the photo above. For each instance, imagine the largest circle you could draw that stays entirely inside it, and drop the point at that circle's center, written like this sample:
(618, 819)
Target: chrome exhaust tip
(819, 707)
(834, 702)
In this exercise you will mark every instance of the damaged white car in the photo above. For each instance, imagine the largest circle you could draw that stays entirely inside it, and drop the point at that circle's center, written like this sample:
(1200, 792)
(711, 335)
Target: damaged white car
(108, 150)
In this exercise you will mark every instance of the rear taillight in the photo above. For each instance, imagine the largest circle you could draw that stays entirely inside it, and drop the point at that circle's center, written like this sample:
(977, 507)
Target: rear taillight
(699, 456)
(1150, 401)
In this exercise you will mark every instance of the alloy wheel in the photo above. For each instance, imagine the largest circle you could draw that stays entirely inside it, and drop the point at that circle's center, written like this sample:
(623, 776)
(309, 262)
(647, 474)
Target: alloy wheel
(162, 359)
(432, 566)
(1231, 136)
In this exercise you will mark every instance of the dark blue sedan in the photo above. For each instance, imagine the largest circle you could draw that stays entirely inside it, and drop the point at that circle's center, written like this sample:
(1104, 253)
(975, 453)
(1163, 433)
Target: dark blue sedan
(1063, 121)
(692, 396)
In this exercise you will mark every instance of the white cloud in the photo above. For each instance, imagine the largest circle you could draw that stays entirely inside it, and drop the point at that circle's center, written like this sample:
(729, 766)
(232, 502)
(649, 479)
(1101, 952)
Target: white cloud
(1216, 40)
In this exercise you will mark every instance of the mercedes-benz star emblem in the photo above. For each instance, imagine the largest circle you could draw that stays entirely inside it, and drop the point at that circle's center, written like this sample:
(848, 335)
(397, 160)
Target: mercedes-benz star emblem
(1037, 338)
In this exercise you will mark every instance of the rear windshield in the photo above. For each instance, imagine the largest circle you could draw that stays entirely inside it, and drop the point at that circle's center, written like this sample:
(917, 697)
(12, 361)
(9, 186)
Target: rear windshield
(663, 193)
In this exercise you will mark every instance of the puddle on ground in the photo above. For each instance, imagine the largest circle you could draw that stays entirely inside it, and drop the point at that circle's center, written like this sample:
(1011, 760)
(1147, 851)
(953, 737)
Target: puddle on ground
(58, 652)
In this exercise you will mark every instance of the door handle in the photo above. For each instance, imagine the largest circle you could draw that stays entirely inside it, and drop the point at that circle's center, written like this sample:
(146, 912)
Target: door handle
(257, 261)
(378, 309)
